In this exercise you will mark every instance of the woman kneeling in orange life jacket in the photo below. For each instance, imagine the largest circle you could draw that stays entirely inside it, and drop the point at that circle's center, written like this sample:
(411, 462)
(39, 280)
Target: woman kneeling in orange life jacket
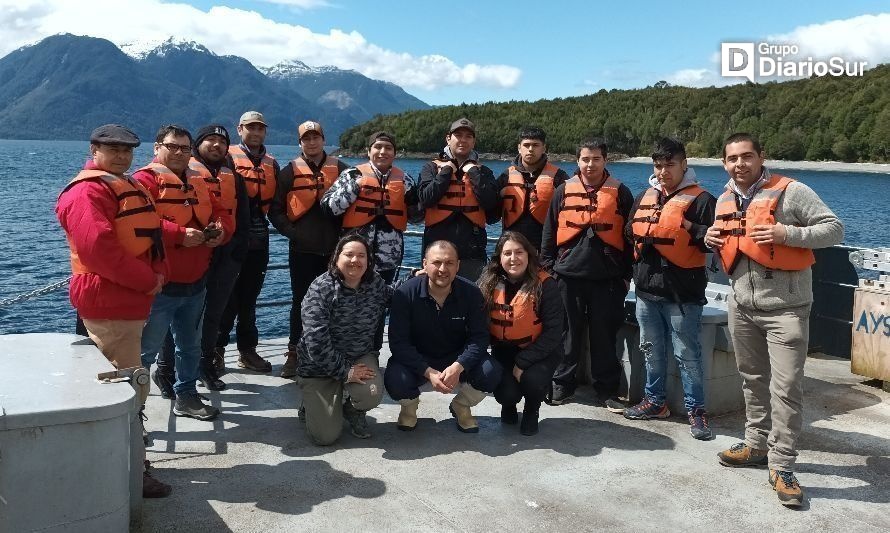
(526, 326)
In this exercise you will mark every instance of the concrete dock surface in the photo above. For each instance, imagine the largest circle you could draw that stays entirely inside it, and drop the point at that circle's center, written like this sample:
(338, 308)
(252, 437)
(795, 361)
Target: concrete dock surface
(254, 468)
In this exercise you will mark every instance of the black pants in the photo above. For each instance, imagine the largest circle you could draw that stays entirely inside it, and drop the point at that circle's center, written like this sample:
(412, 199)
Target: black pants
(597, 306)
(402, 383)
(471, 268)
(220, 280)
(242, 302)
(304, 268)
(388, 276)
(534, 384)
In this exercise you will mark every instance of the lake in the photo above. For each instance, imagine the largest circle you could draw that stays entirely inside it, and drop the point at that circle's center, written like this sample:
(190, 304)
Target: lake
(34, 253)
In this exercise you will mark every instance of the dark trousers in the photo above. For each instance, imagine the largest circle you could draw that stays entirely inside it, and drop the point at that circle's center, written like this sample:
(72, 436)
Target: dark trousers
(533, 384)
(304, 268)
(598, 307)
(242, 302)
(220, 280)
(471, 268)
(402, 383)
(388, 276)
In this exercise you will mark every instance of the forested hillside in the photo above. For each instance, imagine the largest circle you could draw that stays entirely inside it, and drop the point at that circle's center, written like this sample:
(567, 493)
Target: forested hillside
(846, 119)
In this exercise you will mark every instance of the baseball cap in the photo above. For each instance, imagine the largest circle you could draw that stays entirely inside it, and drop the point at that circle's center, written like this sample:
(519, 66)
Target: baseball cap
(251, 117)
(308, 126)
(462, 123)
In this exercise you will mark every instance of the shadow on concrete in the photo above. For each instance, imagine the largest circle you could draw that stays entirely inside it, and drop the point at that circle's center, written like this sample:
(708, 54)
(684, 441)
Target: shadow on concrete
(871, 480)
(291, 487)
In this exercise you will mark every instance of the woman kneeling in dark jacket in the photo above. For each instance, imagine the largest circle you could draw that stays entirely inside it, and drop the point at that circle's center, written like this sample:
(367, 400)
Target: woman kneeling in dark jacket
(338, 362)
(526, 325)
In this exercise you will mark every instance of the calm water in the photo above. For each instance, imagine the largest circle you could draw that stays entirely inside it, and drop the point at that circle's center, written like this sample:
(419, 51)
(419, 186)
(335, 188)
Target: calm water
(33, 252)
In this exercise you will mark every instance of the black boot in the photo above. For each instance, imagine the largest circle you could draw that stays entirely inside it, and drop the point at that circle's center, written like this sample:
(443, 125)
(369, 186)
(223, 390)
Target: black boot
(529, 424)
(164, 379)
(209, 375)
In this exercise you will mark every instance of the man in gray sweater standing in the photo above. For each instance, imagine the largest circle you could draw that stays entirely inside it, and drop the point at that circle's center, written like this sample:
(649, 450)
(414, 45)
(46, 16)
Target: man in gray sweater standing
(765, 230)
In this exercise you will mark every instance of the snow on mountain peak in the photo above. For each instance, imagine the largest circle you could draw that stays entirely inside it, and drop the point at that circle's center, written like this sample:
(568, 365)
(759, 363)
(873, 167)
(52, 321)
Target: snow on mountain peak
(140, 49)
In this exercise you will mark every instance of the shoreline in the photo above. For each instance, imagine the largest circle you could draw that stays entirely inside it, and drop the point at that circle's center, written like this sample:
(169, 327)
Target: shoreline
(826, 166)
(819, 166)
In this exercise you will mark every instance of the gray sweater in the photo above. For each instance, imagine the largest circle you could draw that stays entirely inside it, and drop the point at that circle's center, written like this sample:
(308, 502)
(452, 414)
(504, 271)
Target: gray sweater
(809, 224)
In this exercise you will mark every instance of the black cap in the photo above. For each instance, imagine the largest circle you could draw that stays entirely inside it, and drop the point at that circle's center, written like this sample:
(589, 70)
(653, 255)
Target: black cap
(381, 136)
(462, 123)
(212, 129)
(114, 134)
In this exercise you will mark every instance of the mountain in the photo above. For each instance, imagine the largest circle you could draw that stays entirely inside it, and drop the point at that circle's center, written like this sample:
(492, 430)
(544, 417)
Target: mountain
(65, 85)
(357, 97)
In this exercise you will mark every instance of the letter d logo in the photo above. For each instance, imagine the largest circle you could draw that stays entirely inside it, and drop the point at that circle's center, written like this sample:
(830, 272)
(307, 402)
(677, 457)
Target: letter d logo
(737, 60)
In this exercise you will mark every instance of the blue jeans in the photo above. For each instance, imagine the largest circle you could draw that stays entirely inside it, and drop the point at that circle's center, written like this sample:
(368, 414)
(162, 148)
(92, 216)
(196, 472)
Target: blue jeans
(663, 327)
(183, 315)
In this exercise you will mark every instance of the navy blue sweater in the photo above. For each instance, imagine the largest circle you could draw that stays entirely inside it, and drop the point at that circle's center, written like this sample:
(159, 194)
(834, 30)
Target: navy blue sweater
(421, 335)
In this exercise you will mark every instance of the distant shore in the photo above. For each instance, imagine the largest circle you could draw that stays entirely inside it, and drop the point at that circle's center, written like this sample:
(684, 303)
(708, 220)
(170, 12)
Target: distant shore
(831, 166)
(828, 166)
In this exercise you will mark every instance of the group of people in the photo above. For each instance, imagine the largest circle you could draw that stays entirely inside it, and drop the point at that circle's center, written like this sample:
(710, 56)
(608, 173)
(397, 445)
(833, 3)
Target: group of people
(180, 249)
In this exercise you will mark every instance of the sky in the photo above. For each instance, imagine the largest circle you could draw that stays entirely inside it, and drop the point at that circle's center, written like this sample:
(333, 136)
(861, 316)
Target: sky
(485, 50)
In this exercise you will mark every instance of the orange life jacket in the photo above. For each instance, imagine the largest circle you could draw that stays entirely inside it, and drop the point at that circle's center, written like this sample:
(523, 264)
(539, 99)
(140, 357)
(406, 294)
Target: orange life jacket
(459, 197)
(309, 187)
(259, 180)
(581, 210)
(515, 191)
(186, 203)
(222, 186)
(734, 224)
(137, 225)
(516, 322)
(662, 227)
(374, 200)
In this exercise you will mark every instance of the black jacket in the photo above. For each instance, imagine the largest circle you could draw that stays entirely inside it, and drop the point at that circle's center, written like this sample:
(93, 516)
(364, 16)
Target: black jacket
(258, 235)
(548, 346)
(471, 240)
(657, 279)
(526, 225)
(315, 232)
(421, 335)
(586, 256)
(236, 248)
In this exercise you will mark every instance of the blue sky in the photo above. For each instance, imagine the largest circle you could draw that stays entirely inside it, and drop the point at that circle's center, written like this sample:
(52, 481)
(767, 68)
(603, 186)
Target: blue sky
(524, 50)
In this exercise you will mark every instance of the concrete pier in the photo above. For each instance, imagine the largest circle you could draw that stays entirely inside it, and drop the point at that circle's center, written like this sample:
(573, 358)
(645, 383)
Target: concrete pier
(254, 469)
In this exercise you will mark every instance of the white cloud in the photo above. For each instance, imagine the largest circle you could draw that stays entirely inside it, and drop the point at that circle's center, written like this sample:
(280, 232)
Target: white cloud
(862, 38)
(222, 30)
(299, 4)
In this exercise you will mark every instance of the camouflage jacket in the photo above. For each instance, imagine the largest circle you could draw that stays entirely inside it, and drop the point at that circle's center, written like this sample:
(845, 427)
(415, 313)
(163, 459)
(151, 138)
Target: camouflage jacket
(339, 325)
(386, 241)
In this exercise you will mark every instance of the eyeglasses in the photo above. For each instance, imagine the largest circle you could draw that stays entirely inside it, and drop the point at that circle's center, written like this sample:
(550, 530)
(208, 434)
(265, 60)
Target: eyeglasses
(174, 148)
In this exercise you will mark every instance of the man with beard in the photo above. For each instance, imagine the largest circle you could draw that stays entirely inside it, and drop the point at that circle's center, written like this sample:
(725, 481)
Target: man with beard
(438, 333)
(297, 214)
(459, 195)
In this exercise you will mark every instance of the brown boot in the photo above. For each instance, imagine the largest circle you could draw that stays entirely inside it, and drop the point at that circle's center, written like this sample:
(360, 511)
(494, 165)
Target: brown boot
(289, 369)
(408, 415)
(251, 360)
(741, 454)
(787, 488)
(460, 406)
(151, 487)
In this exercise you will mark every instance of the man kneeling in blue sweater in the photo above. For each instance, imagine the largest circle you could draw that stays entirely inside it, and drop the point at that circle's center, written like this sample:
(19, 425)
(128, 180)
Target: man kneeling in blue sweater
(438, 332)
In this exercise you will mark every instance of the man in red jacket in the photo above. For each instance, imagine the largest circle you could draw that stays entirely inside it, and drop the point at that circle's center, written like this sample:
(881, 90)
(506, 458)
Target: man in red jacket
(117, 257)
(194, 222)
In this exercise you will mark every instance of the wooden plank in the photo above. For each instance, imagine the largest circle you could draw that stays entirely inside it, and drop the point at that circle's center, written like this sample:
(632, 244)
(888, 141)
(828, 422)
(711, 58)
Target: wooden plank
(870, 352)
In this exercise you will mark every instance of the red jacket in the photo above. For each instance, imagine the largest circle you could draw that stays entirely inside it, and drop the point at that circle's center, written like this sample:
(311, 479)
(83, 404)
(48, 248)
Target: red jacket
(187, 265)
(118, 286)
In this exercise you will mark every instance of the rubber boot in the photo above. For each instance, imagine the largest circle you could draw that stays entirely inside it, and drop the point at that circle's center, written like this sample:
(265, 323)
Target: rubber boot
(460, 406)
(408, 415)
